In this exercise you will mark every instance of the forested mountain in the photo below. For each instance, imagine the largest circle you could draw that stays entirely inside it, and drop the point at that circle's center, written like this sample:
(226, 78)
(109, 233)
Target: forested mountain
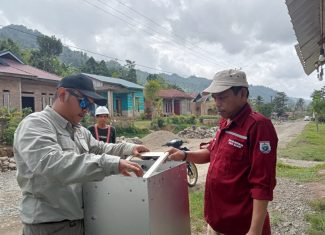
(26, 39)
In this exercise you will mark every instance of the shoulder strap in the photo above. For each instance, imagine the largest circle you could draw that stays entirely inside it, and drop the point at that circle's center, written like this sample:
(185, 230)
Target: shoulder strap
(96, 132)
(108, 133)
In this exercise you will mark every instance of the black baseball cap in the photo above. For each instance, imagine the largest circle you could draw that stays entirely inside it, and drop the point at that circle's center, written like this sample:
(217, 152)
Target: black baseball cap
(83, 84)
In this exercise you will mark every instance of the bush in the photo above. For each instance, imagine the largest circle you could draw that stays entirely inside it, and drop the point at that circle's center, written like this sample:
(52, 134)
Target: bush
(13, 120)
(157, 123)
(131, 131)
(88, 120)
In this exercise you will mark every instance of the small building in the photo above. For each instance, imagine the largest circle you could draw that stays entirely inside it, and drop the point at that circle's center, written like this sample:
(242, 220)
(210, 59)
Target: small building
(203, 105)
(24, 86)
(125, 98)
(175, 102)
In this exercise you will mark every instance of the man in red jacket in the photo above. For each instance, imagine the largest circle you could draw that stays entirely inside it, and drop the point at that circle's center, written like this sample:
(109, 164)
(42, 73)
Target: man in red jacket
(242, 156)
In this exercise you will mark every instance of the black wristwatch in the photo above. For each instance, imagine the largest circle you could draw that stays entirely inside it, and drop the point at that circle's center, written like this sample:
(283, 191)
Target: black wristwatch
(185, 155)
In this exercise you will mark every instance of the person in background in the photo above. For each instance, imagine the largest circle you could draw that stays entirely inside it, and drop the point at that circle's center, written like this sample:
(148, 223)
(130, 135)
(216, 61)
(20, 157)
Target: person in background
(101, 131)
(55, 155)
(242, 156)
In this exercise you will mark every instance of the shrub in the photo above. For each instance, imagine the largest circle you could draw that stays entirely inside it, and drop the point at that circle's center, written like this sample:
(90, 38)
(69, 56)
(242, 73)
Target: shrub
(157, 123)
(13, 120)
(88, 120)
(131, 131)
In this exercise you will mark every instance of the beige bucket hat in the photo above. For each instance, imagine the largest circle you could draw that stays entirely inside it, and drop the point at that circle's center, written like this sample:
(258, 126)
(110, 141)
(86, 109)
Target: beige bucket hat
(225, 79)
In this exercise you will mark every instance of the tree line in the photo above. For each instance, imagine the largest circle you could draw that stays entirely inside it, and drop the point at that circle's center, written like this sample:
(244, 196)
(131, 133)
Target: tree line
(46, 57)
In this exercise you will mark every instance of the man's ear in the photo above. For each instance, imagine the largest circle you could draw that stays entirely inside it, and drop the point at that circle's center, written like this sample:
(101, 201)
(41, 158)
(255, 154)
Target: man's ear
(243, 92)
(62, 94)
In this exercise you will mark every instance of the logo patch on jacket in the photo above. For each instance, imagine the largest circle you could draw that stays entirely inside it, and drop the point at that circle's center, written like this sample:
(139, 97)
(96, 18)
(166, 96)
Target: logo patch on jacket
(265, 146)
(235, 143)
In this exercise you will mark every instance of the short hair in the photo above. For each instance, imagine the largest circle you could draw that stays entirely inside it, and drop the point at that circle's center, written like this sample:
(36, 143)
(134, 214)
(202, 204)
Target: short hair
(236, 89)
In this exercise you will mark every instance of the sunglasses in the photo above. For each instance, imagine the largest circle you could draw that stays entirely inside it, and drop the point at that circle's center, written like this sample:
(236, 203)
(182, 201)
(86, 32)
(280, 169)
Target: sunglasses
(83, 101)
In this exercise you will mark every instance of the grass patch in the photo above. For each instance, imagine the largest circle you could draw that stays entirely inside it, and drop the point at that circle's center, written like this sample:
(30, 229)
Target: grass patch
(142, 124)
(131, 131)
(317, 218)
(309, 145)
(196, 196)
(275, 217)
(302, 174)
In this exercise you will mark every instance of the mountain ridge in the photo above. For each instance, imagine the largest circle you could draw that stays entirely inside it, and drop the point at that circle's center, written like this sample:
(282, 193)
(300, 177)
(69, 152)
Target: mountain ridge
(23, 37)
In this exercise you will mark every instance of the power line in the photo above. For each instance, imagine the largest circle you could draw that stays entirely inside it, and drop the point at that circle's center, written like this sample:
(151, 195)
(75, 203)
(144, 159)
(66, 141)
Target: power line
(95, 53)
(135, 26)
(165, 29)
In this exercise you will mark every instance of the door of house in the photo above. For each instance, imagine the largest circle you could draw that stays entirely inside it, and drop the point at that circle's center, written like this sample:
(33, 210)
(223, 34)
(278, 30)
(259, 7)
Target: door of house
(118, 105)
(28, 102)
(177, 107)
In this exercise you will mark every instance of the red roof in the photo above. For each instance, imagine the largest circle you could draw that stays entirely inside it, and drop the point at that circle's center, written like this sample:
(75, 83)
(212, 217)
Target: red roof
(12, 67)
(173, 93)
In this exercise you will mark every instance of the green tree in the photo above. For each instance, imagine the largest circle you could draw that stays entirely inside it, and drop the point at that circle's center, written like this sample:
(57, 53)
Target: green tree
(49, 46)
(318, 105)
(265, 109)
(151, 90)
(102, 69)
(131, 73)
(8, 44)
(300, 104)
(46, 57)
(259, 100)
(280, 103)
(90, 66)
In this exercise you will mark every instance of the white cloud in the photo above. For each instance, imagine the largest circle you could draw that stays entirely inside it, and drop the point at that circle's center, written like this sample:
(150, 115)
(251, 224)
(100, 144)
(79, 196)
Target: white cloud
(181, 36)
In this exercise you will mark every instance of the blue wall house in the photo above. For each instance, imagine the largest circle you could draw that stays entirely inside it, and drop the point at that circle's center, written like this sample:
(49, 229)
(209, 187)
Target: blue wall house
(124, 98)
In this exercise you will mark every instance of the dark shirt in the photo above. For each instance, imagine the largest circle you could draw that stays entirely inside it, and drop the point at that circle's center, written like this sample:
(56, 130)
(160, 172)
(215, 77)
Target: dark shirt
(102, 134)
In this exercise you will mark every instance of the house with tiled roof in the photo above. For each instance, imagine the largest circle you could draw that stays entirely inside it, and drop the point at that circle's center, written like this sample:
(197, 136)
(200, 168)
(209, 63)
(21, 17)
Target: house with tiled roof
(124, 98)
(175, 102)
(23, 86)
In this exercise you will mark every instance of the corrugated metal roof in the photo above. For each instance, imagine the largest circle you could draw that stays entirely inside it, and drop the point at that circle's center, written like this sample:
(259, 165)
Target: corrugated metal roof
(305, 17)
(116, 81)
(173, 93)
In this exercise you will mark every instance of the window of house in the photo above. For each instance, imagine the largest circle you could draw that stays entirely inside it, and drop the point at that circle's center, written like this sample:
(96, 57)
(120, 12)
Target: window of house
(169, 106)
(43, 100)
(137, 104)
(6, 99)
(50, 99)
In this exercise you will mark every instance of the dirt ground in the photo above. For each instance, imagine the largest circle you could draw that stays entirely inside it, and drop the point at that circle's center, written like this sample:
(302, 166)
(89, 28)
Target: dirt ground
(286, 131)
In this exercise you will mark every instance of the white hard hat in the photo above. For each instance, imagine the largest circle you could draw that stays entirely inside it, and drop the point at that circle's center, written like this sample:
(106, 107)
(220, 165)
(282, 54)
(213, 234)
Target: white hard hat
(101, 110)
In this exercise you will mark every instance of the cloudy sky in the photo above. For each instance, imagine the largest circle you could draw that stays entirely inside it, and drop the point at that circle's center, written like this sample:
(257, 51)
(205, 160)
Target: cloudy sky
(187, 37)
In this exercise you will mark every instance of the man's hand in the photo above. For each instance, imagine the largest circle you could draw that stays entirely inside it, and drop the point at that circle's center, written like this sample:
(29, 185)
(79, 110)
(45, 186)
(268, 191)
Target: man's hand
(125, 167)
(139, 149)
(176, 154)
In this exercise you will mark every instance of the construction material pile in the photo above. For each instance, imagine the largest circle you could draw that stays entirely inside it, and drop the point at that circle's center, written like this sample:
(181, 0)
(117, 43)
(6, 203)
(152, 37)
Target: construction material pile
(195, 132)
(7, 162)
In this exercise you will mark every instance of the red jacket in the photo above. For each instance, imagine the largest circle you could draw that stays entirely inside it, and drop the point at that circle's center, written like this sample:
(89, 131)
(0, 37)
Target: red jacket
(242, 168)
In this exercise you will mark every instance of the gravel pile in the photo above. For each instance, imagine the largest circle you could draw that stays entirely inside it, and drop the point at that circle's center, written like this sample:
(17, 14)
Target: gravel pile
(195, 132)
(134, 140)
